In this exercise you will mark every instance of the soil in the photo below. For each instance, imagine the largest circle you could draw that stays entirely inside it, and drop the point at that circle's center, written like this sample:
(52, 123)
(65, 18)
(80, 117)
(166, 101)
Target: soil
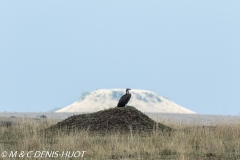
(119, 119)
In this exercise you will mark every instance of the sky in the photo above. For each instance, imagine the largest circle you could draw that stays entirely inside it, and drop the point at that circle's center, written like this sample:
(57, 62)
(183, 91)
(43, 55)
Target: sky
(187, 51)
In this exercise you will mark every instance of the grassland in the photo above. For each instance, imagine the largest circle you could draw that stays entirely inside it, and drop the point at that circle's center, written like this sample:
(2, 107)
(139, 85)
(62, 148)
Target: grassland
(221, 141)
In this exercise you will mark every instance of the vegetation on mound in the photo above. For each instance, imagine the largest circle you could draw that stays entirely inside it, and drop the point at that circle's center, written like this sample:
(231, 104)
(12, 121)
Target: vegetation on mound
(119, 119)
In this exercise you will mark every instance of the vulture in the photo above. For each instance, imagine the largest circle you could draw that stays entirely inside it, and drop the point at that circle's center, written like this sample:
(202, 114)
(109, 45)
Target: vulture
(124, 99)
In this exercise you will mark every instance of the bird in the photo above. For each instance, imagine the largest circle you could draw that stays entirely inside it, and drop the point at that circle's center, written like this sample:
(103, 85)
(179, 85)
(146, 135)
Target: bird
(124, 99)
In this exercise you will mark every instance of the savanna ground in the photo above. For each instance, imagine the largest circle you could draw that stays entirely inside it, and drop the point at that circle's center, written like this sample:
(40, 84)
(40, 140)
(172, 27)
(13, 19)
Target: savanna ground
(221, 141)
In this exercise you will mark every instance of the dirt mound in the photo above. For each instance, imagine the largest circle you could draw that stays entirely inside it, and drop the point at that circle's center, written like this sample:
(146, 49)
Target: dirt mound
(123, 120)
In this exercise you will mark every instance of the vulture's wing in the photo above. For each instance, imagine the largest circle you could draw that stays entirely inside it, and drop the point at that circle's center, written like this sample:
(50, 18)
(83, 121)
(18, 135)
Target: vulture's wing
(120, 102)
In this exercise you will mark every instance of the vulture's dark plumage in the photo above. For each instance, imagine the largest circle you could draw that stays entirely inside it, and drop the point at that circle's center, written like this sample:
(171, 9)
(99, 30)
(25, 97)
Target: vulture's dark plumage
(124, 99)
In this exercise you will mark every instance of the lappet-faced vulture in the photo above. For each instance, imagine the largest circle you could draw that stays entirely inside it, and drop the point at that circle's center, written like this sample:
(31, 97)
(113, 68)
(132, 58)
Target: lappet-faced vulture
(124, 99)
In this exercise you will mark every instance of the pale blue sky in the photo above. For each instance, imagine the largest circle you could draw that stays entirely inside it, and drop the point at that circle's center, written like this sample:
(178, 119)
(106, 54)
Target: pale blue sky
(187, 51)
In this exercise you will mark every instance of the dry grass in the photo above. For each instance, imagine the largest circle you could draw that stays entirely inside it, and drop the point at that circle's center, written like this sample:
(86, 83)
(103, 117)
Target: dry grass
(187, 142)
